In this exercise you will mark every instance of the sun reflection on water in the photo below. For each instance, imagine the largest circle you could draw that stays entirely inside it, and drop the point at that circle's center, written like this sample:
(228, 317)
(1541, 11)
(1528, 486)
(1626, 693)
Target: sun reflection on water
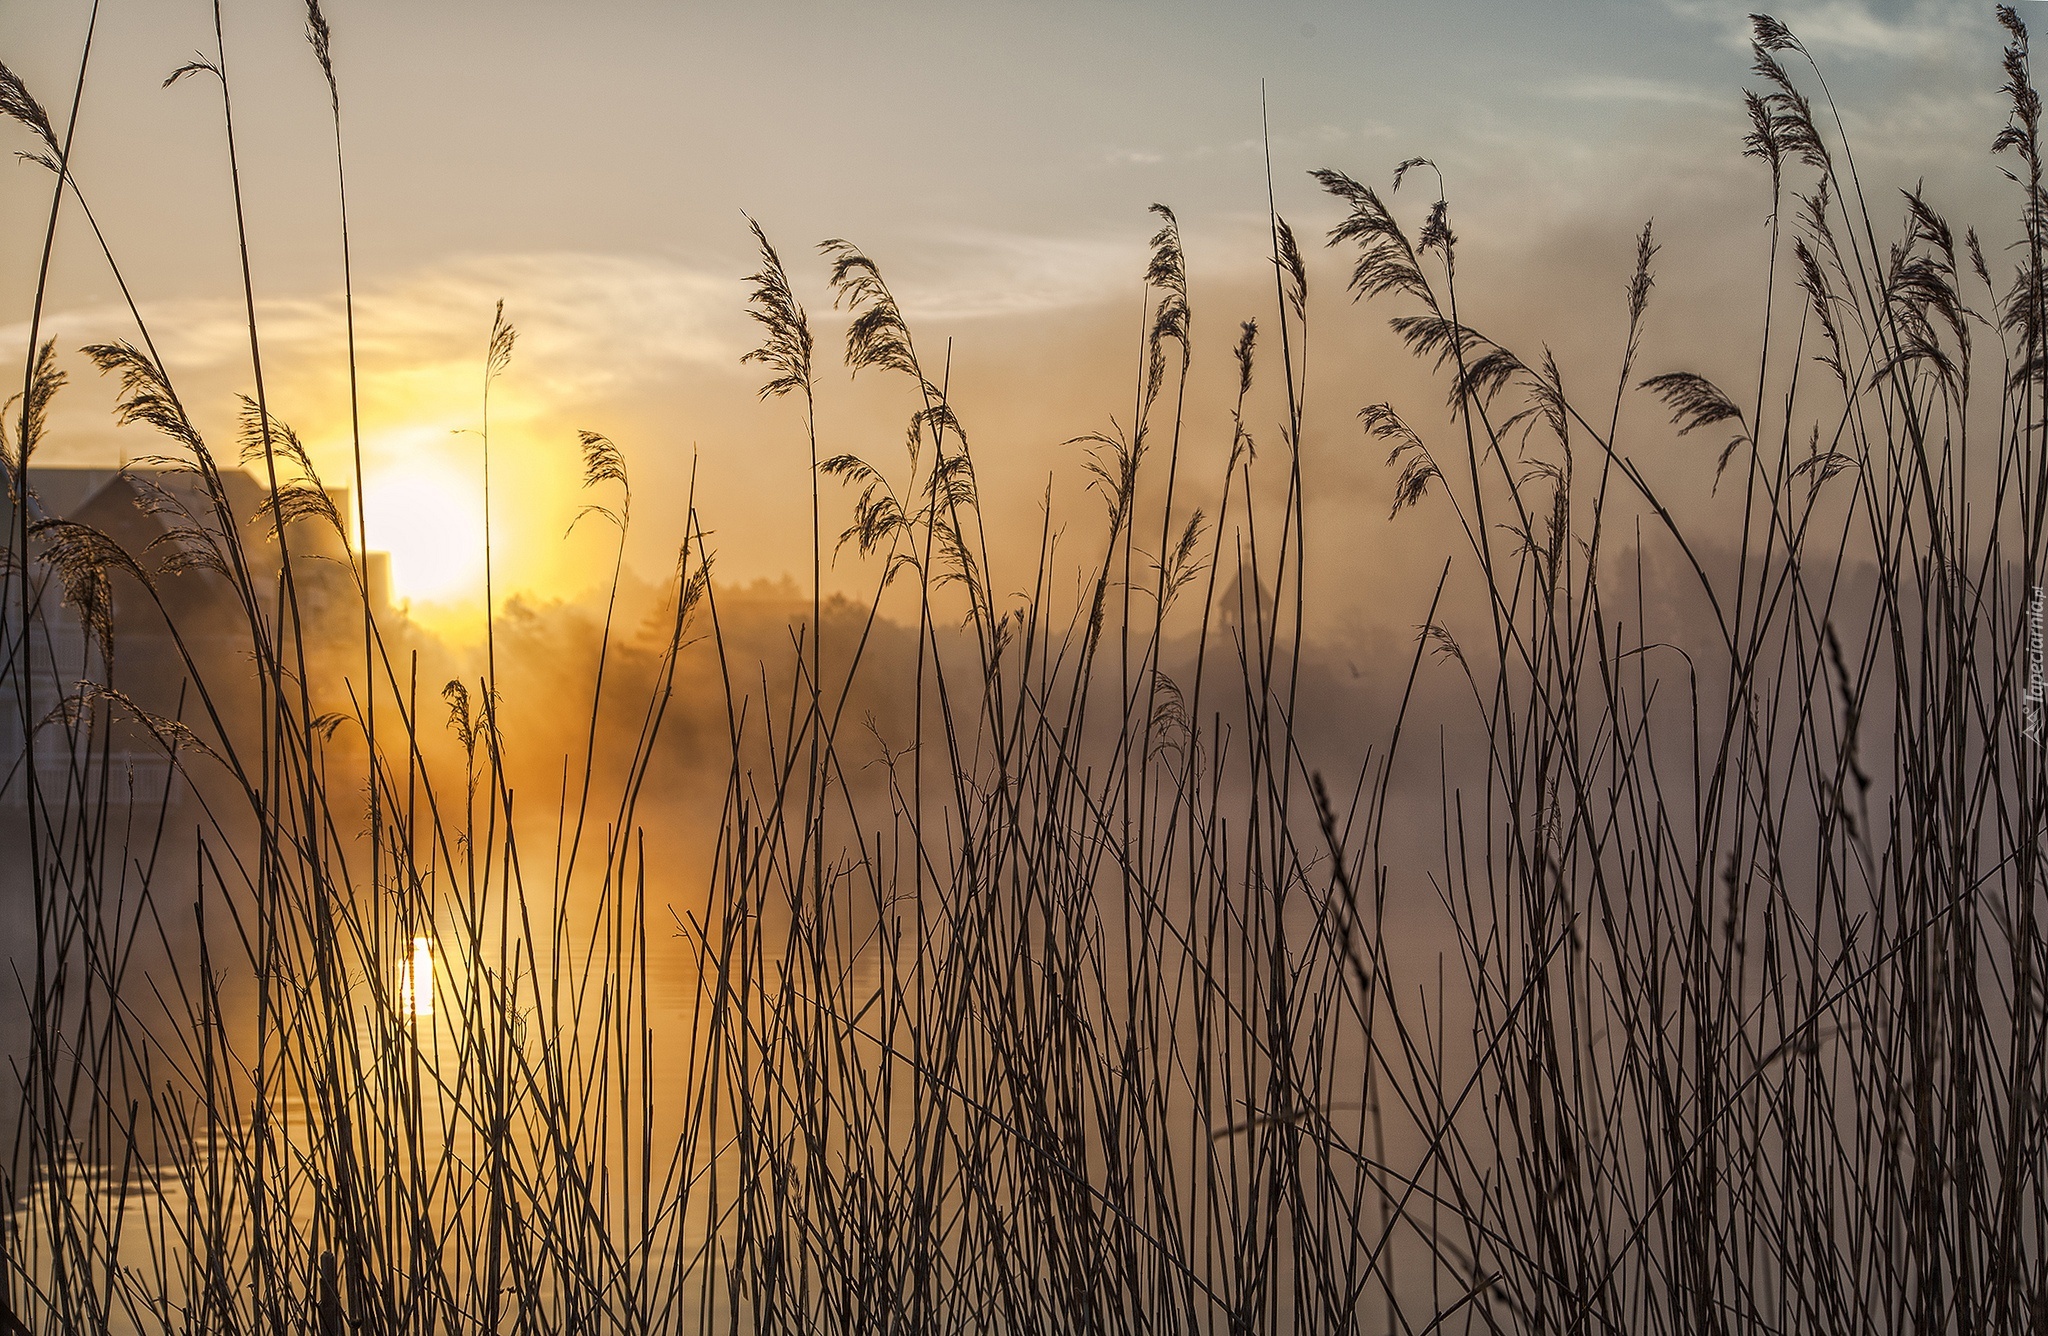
(416, 980)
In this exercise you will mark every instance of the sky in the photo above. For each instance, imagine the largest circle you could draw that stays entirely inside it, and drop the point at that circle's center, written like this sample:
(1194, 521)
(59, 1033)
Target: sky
(594, 166)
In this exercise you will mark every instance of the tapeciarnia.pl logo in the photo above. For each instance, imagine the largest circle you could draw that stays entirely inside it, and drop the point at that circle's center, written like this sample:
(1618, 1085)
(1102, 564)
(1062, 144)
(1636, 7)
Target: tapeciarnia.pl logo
(2031, 722)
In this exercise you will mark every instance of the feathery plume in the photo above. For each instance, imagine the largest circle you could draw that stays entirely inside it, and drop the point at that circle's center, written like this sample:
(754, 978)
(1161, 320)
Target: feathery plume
(280, 438)
(197, 65)
(1182, 565)
(1639, 285)
(1642, 280)
(1442, 643)
(1762, 140)
(1697, 402)
(1291, 265)
(17, 102)
(1487, 367)
(603, 462)
(786, 350)
(146, 397)
(1772, 35)
(1814, 280)
(878, 336)
(82, 556)
(1436, 232)
(1386, 260)
(44, 382)
(2022, 129)
(1789, 114)
(1694, 400)
(318, 33)
(1383, 423)
(298, 499)
(1167, 272)
(460, 721)
(503, 336)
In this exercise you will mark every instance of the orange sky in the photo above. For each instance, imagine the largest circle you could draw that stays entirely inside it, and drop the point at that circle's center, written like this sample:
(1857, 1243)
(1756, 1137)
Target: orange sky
(589, 164)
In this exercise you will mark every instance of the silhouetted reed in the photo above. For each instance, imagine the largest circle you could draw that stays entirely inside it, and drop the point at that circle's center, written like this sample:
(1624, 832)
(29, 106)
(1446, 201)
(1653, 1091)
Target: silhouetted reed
(1059, 990)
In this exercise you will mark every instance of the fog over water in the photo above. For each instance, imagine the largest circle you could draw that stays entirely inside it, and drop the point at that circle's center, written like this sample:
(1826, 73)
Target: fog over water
(1046, 667)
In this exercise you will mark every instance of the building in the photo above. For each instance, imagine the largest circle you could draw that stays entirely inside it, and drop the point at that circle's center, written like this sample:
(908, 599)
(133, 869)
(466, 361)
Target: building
(146, 642)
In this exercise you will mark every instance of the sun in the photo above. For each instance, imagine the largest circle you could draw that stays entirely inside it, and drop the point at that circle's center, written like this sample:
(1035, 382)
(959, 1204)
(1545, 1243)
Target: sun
(429, 518)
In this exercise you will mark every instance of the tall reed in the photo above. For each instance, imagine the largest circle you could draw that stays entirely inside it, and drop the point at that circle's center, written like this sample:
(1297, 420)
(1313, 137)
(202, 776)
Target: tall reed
(1079, 998)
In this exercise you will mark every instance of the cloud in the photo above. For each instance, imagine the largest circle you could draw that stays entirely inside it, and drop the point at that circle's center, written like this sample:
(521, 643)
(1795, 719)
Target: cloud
(590, 323)
(966, 274)
(1918, 29)
(1850, 26)
(602, 318)
(1623, 88)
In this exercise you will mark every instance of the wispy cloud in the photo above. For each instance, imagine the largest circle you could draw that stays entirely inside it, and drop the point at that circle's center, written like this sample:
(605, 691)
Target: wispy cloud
(1916, 29)
(965, 274)
(1283, 144)
(590, 320)
(1624, 88)
(1850, 26)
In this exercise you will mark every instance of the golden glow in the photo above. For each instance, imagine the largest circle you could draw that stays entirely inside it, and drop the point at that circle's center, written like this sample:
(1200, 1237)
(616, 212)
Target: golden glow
(416, 981)
(430, 519)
